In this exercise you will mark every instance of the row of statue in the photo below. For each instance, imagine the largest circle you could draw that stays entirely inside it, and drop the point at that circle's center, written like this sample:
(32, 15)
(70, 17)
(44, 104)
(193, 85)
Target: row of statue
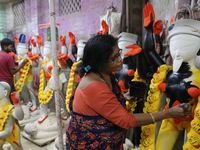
(180, 83)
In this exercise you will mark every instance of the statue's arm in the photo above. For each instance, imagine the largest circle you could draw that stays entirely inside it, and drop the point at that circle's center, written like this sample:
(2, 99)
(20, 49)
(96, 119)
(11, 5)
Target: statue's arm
(149, 43)
(7, 128)
(18, 112)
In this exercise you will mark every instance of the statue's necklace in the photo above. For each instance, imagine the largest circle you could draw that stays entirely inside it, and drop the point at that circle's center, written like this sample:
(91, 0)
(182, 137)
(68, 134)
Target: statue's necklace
(104, 80)
(24, 71)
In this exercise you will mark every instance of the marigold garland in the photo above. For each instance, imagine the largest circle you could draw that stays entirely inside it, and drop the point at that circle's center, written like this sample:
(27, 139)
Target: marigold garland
(193, 135)
(152, 105)
(70, 86)
(5, 110)
(14, 78)
(24, 71)
(44, 97)
(15, 75)
(19, 59)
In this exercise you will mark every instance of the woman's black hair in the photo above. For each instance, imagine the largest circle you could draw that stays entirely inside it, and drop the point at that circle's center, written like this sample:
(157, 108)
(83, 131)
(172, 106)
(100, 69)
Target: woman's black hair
(97, 51)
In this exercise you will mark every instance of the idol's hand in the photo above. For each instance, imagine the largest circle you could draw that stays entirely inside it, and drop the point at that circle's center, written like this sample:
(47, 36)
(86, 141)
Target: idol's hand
(149, 15)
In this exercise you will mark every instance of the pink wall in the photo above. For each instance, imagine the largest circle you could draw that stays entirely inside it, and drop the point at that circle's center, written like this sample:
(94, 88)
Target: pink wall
(82, 24)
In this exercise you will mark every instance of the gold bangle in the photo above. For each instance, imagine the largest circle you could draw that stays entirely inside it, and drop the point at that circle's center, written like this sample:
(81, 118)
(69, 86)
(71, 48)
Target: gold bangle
(153, 119)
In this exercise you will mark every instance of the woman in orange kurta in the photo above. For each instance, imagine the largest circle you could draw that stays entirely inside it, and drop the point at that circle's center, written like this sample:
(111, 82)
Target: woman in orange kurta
(99, 114)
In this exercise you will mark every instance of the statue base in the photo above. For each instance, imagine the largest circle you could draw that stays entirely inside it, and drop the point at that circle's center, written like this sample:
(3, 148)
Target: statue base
(32, 119)
(40, 142)
(43, 133)
(7, 146)
(29, 117)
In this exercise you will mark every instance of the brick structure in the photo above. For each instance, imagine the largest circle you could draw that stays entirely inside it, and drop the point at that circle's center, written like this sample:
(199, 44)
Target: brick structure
(135, 18)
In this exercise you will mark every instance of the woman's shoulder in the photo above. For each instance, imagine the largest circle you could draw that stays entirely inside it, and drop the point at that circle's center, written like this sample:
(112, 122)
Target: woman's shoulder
(91, 85)
(91, 81)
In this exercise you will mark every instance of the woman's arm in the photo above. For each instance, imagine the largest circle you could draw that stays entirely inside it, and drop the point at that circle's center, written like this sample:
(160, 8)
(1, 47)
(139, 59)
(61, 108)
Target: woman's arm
(109, 107)
(174, 112)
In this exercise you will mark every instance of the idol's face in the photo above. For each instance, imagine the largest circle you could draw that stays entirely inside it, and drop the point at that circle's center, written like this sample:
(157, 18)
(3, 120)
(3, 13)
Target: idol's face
(21, 51)
(80, 52)
(183, 48)
(47, 51)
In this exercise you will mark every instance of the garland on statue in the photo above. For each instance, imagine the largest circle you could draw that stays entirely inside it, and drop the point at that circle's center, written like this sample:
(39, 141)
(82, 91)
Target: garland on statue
(71, 84)
(15, 75)
(44, 97)
(152, 105)
(14, 78)
(130, 105)
(24, 71)
(19, 59)
(193, 140)
(5, 110)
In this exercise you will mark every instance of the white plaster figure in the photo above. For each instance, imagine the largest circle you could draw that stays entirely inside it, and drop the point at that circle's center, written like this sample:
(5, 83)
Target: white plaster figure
(22, 52)
(9, 130)
(46, 125)
(80, 46)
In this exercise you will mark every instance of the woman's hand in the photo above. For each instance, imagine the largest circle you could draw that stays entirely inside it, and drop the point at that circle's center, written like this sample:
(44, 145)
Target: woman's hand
(131, 98)
(180, 111)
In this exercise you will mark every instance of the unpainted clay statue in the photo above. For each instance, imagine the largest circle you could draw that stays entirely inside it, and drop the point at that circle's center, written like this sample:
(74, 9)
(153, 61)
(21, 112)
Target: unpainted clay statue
(46, 125)
(80, 46)
(26, 76)
(9, 130)
(45, 94)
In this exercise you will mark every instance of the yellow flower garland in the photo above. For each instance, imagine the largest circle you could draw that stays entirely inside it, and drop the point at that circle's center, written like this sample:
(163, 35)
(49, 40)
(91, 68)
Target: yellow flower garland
(5, 110)
(14, 78)
(15, 75)
(20, 83)
(44, 97)
(19, 59)
(70, 86)
(152, 105)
